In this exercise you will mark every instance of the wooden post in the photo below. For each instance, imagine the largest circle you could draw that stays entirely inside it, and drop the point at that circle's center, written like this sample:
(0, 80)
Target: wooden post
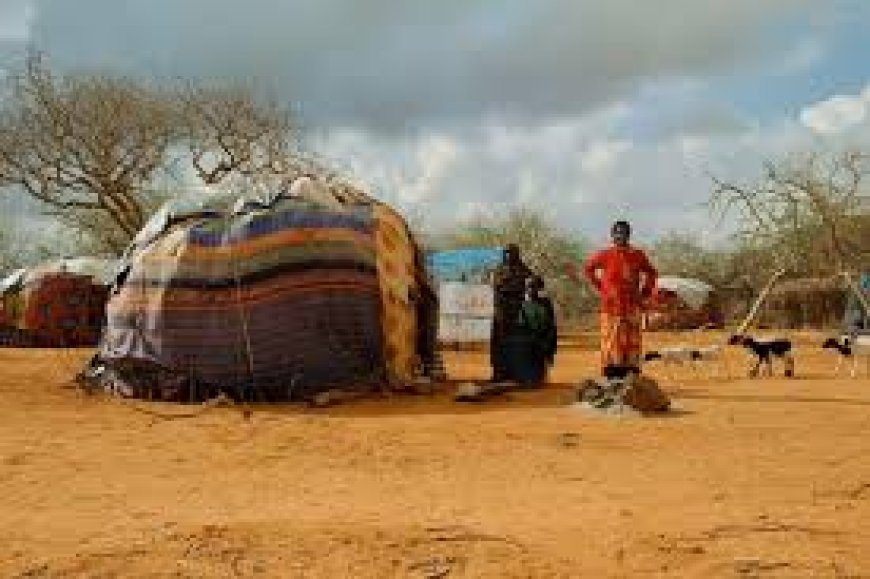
(753, 312)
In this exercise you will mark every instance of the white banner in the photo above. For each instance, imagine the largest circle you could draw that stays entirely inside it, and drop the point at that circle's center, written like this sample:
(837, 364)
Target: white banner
(461, 329)
(466, 299)
(466, 312)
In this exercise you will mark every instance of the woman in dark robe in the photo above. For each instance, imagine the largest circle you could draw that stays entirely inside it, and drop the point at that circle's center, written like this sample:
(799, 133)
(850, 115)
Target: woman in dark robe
(509, 288)
(533, 346)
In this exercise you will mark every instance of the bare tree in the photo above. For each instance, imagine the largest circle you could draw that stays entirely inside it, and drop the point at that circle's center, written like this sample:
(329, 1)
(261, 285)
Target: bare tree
(85, 146)
(231, 133)
(96, 150)
(811, 213)
(545, 247)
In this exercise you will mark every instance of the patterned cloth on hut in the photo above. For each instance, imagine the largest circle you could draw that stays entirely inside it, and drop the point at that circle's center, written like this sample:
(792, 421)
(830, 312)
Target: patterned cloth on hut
(279, 298)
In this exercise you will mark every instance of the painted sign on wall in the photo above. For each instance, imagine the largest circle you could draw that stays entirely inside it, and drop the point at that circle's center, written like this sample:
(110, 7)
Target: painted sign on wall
(464, 294)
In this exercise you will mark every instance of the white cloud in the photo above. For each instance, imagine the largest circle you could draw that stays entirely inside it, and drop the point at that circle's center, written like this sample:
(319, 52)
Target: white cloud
(692, 146)
(602, 156)
(583, 170)
(435, 156)
(449, 177)
(838, 113)
(528, 186)
(471, 210)
(16, 19)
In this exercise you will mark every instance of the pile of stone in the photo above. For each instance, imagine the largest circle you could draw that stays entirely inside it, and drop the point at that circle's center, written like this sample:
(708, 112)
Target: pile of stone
(630, 395)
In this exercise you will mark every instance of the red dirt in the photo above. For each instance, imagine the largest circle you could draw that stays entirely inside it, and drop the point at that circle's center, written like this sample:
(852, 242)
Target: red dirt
(764, 477)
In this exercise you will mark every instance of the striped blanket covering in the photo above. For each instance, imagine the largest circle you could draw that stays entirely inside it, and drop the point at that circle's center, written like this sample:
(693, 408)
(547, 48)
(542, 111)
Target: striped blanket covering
(273, 303)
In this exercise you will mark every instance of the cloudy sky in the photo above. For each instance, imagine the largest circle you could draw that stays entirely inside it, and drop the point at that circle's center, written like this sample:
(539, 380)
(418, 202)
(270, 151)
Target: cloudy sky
(586, 109)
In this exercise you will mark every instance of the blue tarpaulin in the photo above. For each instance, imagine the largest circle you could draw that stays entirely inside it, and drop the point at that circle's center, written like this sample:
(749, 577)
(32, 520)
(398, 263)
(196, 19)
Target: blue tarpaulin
(464, 265)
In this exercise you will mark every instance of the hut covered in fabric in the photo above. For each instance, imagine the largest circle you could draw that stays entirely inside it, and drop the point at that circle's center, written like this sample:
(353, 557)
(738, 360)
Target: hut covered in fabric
(806, 303)
(319, 287)
(59, 303)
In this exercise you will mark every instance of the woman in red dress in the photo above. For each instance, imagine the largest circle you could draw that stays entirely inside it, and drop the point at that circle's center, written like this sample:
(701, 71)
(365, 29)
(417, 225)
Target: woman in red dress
(624, 279)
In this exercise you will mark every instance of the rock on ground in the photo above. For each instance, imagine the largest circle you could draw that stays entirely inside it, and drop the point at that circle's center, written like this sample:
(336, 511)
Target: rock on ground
(638, 393)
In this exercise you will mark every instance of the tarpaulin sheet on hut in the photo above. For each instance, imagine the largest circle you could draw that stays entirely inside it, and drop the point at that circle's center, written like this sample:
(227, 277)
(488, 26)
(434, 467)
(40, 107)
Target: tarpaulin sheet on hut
(279, 297)
(464, 265)
(57, 303)
(693, 292)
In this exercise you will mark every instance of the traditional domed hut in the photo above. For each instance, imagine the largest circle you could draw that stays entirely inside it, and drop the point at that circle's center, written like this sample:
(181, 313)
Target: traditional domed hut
(683, 303)
(56, 304)
(806, 303)
(319, 287)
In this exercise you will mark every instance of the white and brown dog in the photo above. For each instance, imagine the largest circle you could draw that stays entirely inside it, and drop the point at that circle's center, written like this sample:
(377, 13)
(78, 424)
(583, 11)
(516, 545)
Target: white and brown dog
(681, 355)
(850, 346)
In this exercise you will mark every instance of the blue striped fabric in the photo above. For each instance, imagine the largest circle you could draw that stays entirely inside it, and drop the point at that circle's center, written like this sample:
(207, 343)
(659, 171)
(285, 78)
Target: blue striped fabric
(212, 234)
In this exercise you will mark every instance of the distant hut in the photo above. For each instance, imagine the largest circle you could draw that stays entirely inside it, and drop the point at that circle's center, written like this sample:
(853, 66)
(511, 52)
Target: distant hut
(56, 304)
(683, 303)
(806, 303)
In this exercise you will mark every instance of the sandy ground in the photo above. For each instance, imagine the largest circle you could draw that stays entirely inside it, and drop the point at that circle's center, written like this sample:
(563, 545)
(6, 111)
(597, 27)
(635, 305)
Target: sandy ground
(768, 477)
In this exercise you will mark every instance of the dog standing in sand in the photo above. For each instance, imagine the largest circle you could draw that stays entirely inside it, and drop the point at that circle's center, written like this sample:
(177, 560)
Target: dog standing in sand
(764, 352)
(695, 357)
(848, 346)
